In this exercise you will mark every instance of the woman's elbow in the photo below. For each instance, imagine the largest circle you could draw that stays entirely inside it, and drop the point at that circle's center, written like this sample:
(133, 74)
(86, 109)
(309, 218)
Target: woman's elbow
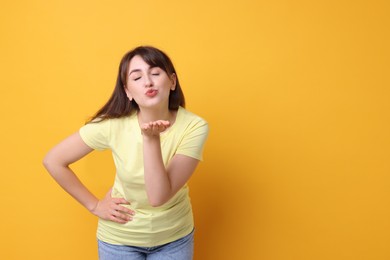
(157, 202)
(46, 162)
(50, 162)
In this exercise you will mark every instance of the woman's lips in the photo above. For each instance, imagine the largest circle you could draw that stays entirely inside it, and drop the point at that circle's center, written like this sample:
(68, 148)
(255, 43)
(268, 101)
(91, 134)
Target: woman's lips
(151, 92)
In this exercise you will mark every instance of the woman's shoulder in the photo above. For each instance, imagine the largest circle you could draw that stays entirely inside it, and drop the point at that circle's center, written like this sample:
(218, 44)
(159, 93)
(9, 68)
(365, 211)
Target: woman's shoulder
(118, 120)
(188, 120)
(185, 115)
(110, 123)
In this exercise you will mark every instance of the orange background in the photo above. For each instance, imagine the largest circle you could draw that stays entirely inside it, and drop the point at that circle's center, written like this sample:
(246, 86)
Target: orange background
(296, 94)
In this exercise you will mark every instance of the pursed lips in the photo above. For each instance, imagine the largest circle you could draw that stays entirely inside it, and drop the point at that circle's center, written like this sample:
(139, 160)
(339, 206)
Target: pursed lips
(151, 92)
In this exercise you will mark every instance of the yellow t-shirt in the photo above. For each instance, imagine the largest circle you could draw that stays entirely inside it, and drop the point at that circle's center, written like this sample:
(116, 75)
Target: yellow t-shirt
(151, 226)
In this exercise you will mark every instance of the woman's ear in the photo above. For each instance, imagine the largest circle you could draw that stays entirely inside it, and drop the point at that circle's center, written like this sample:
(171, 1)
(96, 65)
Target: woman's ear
(128, 94)
(173, 80)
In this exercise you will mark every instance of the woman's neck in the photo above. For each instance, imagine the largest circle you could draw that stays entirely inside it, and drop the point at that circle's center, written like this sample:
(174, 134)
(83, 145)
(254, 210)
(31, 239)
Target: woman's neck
(150, 115)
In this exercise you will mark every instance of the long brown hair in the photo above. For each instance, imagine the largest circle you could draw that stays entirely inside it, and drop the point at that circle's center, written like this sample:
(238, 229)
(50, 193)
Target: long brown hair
(119, 105)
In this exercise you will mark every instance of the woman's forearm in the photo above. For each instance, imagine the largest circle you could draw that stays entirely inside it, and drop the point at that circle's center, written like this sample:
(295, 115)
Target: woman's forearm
(57, 163)
(157, 182)
(66, 178)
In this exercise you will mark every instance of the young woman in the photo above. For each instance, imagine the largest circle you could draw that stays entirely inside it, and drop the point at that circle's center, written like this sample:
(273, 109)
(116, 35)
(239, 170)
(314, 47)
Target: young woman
(156, 145)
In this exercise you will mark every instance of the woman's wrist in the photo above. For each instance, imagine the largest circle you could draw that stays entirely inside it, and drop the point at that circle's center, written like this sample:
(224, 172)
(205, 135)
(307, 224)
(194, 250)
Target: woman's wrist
(151, 138)
(92, 206)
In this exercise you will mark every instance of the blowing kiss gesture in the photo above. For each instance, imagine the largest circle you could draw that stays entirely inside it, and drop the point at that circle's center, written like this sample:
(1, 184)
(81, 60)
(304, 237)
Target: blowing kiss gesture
(155, 128)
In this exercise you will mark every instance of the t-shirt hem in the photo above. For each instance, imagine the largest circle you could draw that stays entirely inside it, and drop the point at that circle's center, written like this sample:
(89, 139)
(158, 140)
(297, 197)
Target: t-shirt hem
(161, 242)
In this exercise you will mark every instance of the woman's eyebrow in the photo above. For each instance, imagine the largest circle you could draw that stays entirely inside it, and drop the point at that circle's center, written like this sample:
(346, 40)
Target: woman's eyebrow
(138, 70)
(134, 70)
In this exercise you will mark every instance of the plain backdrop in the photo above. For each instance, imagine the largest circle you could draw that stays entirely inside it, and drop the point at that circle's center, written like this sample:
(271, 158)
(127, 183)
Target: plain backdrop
(296, 93)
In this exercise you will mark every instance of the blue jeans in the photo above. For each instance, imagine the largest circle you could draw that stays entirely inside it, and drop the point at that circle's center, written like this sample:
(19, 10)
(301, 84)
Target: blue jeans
(181, 249)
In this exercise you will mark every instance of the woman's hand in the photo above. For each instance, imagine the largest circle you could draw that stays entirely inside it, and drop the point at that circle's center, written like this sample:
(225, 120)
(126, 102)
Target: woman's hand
(110, 208)
(154, 128)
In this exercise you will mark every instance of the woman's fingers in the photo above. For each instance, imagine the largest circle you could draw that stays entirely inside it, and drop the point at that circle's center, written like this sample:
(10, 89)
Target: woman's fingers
(111, 209)
(156, 127)
(120, 201)
(119, 217)
(118, 208)
(117, 205)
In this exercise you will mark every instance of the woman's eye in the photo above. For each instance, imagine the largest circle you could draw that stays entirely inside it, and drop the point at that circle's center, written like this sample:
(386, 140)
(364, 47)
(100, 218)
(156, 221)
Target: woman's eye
(156, 73)
(137, 78)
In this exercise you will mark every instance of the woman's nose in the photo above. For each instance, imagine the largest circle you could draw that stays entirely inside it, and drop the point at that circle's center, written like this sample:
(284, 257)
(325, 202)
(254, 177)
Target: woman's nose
(148, 81)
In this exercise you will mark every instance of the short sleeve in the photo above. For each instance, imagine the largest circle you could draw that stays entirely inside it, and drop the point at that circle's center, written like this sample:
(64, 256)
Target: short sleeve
(95, 134)
(194, 140)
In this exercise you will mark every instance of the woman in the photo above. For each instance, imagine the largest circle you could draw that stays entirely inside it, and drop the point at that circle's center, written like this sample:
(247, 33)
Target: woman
(156, 145)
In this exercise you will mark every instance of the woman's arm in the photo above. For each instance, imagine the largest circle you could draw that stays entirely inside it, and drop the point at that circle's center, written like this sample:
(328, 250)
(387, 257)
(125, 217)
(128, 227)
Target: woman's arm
(163, 183)
(57, 163)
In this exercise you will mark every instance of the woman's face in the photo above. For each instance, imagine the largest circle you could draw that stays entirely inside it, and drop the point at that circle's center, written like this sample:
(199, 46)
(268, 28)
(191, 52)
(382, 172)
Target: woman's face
(148, 86)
